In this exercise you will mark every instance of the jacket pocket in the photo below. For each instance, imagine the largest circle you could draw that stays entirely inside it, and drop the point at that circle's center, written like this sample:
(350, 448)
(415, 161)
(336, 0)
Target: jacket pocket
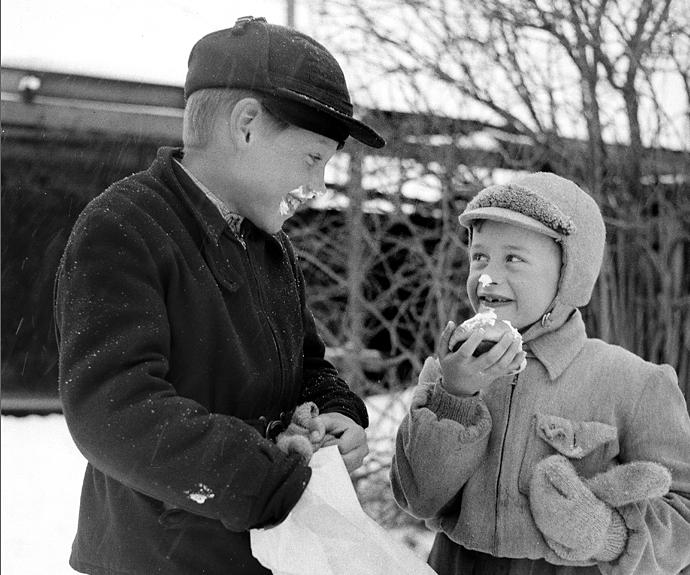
(171, 517)
(591, 446)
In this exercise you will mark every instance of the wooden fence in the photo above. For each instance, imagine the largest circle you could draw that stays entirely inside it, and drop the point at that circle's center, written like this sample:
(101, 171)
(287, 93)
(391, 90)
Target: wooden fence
(384, 273)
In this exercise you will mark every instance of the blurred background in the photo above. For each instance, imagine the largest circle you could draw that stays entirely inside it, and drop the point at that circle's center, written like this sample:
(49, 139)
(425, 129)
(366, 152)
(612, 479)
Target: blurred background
(466, 93)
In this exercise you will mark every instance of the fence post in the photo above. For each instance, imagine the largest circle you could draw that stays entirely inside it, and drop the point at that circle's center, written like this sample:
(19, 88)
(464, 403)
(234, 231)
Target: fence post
(355, 273)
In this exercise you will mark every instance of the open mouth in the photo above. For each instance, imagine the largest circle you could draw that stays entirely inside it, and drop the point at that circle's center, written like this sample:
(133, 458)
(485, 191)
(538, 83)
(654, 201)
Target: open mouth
(295, 198)
(492, 301)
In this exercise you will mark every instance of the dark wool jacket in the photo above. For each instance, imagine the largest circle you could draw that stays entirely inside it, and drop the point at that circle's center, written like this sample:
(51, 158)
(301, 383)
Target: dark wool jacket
(176, 338)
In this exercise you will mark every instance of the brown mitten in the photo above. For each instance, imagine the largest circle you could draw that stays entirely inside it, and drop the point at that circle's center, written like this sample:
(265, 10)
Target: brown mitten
(305, 433)
(630, 482)
(574, 522)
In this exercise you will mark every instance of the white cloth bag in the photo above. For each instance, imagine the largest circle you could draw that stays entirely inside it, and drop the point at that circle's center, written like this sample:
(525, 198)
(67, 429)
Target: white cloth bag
(328, 533)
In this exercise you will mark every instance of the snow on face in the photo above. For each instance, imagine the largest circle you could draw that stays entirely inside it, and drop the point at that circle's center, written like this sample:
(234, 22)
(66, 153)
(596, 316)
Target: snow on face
(296, 197)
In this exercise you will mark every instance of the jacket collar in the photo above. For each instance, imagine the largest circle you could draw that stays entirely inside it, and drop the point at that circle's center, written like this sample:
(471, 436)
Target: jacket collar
(177, 179)
(233, 219)
(204, 211)
(556, 348)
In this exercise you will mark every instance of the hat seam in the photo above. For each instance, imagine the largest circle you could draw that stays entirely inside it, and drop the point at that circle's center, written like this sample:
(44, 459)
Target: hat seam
(288, 81)
(509, 217)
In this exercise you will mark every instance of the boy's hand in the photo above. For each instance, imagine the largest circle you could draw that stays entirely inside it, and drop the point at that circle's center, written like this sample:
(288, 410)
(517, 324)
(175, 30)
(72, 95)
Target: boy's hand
(464, 374)
(349, 436)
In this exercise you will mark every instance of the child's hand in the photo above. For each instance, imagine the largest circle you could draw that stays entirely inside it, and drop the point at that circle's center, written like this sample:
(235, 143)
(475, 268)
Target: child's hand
(348, 435)
(464, 374)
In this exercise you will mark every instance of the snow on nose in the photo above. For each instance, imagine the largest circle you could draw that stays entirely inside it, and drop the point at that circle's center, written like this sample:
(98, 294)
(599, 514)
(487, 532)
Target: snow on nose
(485, 280)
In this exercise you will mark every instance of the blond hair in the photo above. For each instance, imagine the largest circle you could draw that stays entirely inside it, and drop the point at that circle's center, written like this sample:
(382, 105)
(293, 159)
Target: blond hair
(205, 106)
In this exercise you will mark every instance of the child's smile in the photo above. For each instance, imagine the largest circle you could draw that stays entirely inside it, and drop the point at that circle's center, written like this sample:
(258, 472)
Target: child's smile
(493, 301)
(519, 269)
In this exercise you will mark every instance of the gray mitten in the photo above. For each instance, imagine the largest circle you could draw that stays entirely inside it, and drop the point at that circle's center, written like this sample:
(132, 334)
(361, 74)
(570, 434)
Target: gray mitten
(573, 521)
(631, 482)
(305, 433)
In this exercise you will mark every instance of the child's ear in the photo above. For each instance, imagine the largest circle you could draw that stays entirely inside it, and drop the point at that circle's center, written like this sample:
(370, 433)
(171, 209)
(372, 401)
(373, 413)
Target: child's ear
(243, 120)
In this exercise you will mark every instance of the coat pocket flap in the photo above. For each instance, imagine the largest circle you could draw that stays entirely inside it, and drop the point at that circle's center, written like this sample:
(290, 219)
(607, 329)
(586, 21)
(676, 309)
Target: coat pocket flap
(574, 439)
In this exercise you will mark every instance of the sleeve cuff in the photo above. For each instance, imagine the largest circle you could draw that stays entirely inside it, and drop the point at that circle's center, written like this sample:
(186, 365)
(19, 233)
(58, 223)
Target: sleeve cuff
(283, 498)
(466, 410)
(616, 538)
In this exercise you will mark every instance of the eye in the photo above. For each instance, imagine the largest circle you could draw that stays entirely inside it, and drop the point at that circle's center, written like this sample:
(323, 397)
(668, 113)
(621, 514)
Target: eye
(514, 259)
(479, 257)
(314, 159)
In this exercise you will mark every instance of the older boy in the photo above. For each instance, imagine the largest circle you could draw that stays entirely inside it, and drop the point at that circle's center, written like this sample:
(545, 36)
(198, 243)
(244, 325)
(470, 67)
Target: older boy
(565, 466)
(184, 332)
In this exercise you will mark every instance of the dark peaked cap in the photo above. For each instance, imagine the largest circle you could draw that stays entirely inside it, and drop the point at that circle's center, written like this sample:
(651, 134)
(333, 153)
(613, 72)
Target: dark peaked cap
(303, 82)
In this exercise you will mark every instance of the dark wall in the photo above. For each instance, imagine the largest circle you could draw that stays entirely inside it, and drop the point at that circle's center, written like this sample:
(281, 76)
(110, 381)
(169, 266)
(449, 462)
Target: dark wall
(47, 179)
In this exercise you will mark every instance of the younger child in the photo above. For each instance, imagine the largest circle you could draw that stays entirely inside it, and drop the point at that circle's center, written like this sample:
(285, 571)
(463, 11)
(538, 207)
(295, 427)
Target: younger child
(578, 463)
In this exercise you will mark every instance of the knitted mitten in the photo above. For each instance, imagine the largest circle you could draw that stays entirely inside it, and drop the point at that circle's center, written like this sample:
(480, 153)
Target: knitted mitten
(630, 482)
(573, 521)
(305, 433)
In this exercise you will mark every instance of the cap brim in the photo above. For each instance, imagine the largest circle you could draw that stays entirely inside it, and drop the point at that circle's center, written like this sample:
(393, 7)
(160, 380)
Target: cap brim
(507, 217)
(358, 130)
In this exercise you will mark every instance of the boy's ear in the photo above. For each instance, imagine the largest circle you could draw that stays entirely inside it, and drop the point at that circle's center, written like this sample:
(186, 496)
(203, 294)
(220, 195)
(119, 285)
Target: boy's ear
(243, 120)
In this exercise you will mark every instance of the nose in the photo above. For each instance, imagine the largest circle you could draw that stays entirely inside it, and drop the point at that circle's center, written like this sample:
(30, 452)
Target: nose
(485, 280)
(492, 274)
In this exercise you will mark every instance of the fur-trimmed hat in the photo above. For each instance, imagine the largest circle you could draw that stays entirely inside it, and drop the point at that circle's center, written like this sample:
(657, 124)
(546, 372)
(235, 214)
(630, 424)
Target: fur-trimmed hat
(554, 206)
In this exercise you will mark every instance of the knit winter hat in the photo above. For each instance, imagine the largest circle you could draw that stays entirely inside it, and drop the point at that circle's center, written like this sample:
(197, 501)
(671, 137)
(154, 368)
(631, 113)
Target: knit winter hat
(554, 206)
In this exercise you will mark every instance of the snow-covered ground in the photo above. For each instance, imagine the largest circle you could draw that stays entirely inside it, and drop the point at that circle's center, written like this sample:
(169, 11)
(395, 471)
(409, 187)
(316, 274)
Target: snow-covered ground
(41, 481)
